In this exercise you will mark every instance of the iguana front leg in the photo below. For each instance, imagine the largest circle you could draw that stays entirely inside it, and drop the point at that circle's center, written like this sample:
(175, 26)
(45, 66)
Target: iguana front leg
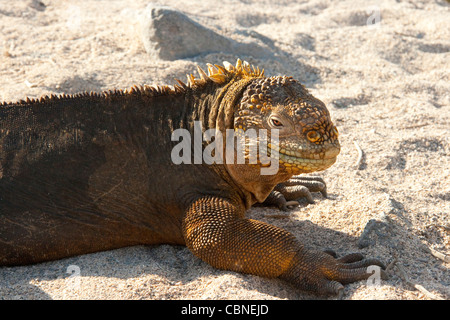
(216, 231)
(294, 189)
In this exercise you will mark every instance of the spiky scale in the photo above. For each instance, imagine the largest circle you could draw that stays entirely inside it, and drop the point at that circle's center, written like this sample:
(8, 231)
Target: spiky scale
(202, 73)
(221, 69)
(228, 66)
(182, 84)
(211, 69)
(218, 78)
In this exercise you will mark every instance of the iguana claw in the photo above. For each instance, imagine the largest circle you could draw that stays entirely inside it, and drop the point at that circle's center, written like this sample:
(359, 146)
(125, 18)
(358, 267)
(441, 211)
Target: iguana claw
(330, 273)
(294, 189)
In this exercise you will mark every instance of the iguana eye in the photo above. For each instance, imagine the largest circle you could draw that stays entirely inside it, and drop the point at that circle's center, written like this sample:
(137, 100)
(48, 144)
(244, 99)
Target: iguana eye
(276, 122)
(313, 136)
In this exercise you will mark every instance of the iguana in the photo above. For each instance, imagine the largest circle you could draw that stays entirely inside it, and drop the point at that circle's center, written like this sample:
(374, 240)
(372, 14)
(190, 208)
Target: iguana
(93, 171)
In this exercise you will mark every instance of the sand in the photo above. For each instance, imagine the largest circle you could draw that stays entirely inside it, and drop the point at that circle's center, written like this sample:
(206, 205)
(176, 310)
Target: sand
(382, 68)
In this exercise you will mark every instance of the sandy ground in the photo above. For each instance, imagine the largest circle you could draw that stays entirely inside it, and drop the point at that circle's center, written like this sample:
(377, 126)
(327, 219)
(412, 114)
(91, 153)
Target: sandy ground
(386, 85)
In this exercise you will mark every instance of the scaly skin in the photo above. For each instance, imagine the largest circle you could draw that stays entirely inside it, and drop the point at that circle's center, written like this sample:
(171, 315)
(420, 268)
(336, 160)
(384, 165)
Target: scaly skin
(93, 172)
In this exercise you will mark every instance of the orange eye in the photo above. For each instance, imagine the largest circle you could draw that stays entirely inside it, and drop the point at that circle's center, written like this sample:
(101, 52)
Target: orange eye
(313, 136)
(276, 123)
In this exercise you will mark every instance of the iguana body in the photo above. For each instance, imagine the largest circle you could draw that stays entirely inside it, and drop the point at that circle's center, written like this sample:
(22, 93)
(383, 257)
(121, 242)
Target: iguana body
(94, 172)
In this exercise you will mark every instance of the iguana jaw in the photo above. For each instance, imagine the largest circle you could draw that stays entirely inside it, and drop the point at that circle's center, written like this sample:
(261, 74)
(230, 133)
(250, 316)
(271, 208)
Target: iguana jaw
(297, 162)
(296, 165)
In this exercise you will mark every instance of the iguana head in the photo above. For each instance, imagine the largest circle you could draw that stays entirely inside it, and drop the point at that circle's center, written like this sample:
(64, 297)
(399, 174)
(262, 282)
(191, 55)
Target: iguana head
(308, 139)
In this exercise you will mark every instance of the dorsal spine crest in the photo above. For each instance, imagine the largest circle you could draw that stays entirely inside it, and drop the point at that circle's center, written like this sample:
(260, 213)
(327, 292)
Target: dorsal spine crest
(216, 74)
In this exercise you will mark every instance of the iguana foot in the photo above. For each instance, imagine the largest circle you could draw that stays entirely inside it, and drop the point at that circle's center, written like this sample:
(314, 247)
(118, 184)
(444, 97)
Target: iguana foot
(288, 193)
(322, 273)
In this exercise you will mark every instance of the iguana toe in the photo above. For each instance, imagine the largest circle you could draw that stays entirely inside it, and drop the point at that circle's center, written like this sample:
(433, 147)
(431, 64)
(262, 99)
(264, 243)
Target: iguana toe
(277, 199)
(330, 288)
(287, 194)
(351, 257)
(313, 183)
(330, 273)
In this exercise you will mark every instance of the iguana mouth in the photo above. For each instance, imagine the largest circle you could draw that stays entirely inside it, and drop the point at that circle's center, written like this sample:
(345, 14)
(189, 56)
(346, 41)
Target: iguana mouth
(293, 163)
(297, 161)
(294, 160)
